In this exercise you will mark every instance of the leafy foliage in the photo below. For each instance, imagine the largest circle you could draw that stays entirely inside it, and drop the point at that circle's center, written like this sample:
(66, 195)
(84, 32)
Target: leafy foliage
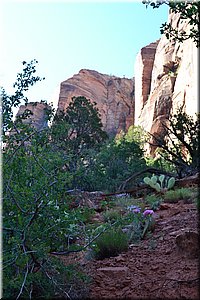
(115, 162)
(39, 215)
(78, 128)
(178, 194)
(153, 201)
(36, 214)
(24, 80)
(111, 215)
(179, 143)
(188, 10)
(78, 133)
(36, 218)
(134, 134)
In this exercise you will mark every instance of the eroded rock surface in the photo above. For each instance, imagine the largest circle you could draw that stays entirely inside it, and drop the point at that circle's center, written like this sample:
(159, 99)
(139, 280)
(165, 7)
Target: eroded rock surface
(39, 117)
(143, 69)
(173, 83)
(165, 79)
(114, 97)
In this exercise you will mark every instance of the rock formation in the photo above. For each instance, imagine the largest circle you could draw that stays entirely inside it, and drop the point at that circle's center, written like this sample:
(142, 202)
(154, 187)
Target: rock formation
(143, 66)
(114, 97)
(165, 78)
(171, 82)
(39, 117)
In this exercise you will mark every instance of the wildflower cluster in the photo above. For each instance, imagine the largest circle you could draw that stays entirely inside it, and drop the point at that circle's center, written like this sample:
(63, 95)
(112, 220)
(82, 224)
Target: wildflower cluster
(137, 209)
(134, 209)
(144, 220)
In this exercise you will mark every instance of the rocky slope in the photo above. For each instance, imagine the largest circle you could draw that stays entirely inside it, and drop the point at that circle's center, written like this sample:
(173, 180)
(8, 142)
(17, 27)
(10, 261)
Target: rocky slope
(167, 83)
(163, 265)
(114, 97)
(158, 267)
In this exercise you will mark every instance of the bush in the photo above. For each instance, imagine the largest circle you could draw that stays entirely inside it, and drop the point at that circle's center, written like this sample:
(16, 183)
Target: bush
(36, 214)
(178, 142)
(111, 243)
(176, 195)
(111, 215)
(153, 201)
(116, 161)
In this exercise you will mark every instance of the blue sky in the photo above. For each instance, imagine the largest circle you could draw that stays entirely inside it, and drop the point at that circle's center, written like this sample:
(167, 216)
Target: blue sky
(68, 36)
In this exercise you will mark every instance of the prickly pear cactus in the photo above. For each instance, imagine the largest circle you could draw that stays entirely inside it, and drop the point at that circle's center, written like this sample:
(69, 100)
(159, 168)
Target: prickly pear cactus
(161, 179)
(170, 183)
(159, 187)
(154, 179)
(147, 180)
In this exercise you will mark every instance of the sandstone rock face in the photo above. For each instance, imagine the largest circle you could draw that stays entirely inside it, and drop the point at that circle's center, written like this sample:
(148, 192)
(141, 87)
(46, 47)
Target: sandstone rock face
(165, 78)
(114, 97)
(143, 66)
(39, 117)
(173, 81)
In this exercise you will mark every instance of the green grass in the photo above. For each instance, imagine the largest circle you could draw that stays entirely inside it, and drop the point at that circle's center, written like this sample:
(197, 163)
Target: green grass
(111, 243)
(174, 196)
(153, 201)
(125, 202)
(111, 215)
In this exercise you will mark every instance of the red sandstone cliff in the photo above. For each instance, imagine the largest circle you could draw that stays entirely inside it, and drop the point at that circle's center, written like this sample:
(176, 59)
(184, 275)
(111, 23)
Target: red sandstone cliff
(165, 78)
(114, 97)
(173, 79)
(38, 118)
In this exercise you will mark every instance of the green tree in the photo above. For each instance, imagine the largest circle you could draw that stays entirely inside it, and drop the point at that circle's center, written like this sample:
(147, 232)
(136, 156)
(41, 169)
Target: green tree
(24, 80)
(78, 132)
(135, 134)
(179, 143)
(36, 213)
(188, 10)
(116, 161)
(80, 127)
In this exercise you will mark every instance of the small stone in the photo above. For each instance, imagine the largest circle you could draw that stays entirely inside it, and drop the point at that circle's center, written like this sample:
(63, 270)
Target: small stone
(119, 258)
(164, 206)
(154, 267)
(114, 271)
(188, 243)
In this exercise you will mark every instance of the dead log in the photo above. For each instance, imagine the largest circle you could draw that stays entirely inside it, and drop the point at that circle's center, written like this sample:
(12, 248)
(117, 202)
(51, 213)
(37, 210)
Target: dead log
(188, 181)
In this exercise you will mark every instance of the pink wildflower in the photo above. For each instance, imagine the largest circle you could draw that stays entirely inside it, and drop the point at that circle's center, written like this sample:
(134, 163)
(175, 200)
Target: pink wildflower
(136, 210)
(148, 212)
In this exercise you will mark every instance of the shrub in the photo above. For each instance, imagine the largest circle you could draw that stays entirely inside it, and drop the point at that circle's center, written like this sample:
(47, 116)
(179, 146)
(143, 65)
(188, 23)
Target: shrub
(176, 195)
(153, 201)
(111, 215)
(36, 214)
(111, 243)
(179, 142)
(113, 164)
(134, 232)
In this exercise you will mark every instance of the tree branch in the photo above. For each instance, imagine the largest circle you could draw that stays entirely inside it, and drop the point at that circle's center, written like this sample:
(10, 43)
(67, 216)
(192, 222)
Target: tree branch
(22, 142)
